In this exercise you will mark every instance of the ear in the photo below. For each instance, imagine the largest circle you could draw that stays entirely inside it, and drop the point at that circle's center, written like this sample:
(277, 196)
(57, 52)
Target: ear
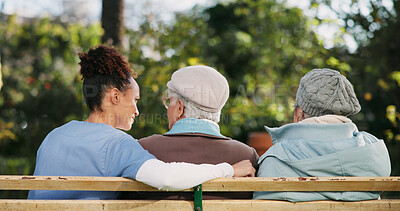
(301, 114)
(181, 108)
(298, 115)
(115, 96)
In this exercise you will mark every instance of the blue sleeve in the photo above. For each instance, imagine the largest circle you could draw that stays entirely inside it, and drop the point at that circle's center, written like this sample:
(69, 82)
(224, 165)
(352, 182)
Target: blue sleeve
(124, 157)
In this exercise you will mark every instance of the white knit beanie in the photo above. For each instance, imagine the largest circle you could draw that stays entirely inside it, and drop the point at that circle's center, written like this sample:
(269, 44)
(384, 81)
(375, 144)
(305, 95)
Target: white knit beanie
(326, 91)
(204, 86)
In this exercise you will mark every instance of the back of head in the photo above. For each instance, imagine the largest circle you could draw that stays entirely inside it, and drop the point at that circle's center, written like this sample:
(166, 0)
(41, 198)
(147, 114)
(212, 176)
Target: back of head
(202, 86)
(326, 91)
(102, 68)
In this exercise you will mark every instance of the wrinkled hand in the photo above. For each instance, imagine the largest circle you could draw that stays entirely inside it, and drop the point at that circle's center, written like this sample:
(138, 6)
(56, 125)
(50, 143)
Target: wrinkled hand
(243, 168)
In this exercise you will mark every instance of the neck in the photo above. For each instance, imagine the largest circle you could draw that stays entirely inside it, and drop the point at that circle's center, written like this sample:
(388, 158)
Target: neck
(212, 122)
(102, 117)
(327, 119)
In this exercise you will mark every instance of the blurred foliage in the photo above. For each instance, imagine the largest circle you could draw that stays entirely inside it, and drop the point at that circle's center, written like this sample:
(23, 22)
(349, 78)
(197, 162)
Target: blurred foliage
(41, 86)
(262, 47)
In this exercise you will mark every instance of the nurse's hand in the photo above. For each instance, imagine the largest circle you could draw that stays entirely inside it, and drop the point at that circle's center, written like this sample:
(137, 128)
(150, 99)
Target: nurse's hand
(243, 168)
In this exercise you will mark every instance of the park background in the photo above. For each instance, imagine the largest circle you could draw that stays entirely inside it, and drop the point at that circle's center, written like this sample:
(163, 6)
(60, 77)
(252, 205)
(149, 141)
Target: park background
(263, 48)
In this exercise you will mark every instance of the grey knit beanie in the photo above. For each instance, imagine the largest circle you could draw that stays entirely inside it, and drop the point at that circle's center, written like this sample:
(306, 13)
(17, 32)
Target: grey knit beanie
(326, 91)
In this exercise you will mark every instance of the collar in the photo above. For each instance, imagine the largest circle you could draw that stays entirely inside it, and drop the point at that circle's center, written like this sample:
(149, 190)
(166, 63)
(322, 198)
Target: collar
(192, 125)
(312, 131)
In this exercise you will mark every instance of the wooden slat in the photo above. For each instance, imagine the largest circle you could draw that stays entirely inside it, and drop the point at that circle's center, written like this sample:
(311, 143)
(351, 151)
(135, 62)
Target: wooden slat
(304, 184)
(145, 205)
(209, 205)
(221, 184)
(255, 205)
(71, 183)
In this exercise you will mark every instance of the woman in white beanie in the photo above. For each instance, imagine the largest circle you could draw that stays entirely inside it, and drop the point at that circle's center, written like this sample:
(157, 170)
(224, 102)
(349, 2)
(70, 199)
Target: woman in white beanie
(96, 147)
(196, 95)
(322, 141)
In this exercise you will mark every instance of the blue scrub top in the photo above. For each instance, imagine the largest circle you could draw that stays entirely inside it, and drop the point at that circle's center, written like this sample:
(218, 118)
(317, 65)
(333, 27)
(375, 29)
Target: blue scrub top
(87, 149)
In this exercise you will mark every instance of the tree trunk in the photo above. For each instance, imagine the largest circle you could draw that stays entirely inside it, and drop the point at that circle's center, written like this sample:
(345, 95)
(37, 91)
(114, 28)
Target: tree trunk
(112, 19)
(1, 81)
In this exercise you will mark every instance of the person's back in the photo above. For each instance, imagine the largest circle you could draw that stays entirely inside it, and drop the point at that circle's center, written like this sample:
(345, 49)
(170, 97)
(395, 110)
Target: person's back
(197, 95)
(322, 150)
(198, 148)
(322, 141)
(87, 149)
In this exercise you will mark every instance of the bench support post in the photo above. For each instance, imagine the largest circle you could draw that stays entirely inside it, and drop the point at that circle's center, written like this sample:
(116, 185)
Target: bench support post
(198, 198)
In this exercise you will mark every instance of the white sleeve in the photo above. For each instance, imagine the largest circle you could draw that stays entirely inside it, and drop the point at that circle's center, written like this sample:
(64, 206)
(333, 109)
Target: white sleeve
(180, 176)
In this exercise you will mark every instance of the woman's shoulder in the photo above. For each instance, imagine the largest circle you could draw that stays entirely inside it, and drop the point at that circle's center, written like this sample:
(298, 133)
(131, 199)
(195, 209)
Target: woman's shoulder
(83, 129)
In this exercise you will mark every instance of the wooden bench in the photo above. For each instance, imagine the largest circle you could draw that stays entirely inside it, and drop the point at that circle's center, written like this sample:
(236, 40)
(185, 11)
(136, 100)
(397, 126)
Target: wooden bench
(224, 184)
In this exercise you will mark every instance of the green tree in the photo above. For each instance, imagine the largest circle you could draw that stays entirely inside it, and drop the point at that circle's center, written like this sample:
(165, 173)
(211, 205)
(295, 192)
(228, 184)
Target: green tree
(262, 47)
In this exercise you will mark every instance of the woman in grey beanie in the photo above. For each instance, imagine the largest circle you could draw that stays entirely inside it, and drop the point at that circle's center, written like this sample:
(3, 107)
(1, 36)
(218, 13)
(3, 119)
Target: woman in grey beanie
(323, 141)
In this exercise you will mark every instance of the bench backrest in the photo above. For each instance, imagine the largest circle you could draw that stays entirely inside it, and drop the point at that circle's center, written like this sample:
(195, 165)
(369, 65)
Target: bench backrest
(19, 182)
(222, 184)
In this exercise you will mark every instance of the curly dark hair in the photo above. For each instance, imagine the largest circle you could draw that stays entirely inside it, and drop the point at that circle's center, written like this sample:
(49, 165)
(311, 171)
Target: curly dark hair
(102, 67)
